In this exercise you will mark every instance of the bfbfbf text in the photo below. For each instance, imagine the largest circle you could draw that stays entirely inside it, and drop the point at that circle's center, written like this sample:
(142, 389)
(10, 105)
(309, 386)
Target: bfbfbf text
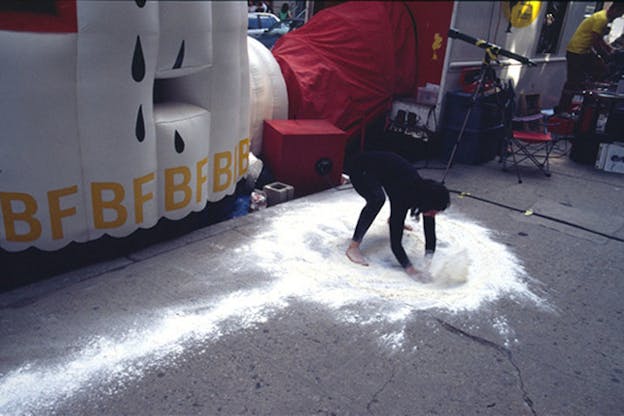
(114, 205)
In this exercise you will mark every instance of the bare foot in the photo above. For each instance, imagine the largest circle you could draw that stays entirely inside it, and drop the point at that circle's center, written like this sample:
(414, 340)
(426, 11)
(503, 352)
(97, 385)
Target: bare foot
(355, 255)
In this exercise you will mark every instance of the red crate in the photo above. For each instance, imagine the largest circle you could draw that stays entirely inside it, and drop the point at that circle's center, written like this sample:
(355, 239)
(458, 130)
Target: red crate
(307, 154)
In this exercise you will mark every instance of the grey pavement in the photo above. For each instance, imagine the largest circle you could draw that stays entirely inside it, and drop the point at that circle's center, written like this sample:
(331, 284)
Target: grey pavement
(264, 315)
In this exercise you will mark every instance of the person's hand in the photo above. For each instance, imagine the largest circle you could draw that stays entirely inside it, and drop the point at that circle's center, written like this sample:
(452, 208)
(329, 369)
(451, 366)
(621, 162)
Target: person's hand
(406, 227)
(419, 275)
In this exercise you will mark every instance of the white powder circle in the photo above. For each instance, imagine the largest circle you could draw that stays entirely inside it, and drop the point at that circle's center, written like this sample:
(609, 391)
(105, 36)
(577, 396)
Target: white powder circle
(307, 246)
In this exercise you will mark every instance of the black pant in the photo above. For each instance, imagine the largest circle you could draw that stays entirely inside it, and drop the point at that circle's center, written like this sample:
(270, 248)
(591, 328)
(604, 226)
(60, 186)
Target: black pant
(581, 70)
(371, 190)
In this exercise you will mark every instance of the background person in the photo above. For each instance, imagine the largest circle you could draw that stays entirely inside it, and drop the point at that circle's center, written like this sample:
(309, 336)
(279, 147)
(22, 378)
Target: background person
(585, 51)
(373, 172)
(285, 12)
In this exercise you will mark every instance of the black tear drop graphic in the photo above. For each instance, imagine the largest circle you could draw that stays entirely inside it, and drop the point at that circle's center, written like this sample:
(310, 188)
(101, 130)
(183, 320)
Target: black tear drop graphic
(140, 125)
(140, 3)
(138, 62)
(179, 143)
(180, 58)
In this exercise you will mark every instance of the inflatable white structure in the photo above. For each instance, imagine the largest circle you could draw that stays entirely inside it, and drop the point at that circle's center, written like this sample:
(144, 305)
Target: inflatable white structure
(115, 114)
(268, 94)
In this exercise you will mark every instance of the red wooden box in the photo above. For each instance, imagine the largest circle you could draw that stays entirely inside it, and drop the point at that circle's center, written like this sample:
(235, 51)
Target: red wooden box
(307, 154)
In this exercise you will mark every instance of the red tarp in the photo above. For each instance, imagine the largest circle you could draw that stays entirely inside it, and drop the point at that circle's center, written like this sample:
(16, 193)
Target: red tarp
(349, 61)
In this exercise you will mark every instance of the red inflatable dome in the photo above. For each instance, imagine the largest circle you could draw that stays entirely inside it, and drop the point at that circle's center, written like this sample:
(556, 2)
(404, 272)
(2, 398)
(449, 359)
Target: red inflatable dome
(348, 62)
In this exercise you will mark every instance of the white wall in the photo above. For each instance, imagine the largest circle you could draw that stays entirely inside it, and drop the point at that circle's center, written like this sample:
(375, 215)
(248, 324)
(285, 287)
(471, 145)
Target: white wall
(486, 20)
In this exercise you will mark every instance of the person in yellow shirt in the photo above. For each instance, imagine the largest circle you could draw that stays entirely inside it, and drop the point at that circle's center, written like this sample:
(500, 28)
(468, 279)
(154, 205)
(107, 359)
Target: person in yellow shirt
(583, 64)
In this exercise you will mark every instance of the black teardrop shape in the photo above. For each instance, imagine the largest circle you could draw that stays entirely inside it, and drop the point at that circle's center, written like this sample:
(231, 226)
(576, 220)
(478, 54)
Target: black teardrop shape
(180, 58)
(138, 62)
(179, 143)
(140, 125)
(140, 3)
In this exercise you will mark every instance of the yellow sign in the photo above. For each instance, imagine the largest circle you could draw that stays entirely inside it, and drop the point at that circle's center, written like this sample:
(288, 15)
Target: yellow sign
(521, 13)
(437, 44)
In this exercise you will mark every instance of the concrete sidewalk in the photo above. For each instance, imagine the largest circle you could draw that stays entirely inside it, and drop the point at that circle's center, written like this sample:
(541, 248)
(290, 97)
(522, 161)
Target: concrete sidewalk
(265, 315)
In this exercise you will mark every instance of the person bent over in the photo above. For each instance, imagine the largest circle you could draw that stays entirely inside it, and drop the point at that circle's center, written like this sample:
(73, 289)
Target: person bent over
(371, 174)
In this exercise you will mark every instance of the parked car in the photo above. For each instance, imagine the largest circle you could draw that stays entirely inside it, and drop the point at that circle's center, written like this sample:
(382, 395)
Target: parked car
(269, 36)
(258, 23)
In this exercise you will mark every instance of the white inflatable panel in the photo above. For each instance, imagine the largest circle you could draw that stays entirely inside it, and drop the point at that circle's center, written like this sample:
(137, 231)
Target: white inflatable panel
(268, 97)
(117, 54)
(40, 155)
(182, 142)
(230, 95)
(223, 89)
(79, 155)
(185, 38)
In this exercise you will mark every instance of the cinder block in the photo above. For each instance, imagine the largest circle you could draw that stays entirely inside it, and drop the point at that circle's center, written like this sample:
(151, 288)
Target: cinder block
(278, 192)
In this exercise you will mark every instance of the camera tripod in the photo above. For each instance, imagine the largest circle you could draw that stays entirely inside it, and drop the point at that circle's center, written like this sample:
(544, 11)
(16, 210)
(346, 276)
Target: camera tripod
(487, 76)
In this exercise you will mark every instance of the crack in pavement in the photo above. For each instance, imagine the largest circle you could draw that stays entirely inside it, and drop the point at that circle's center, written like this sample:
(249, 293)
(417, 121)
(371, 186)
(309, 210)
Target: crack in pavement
(503, 350)
(379, 391)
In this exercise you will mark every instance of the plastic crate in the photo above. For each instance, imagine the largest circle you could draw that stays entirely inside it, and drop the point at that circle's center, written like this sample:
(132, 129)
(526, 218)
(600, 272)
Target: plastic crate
(485, 113)
(475, 146)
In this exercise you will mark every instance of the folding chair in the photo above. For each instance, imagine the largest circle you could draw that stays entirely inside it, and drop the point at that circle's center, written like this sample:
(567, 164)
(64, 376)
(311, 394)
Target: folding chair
(529, 140)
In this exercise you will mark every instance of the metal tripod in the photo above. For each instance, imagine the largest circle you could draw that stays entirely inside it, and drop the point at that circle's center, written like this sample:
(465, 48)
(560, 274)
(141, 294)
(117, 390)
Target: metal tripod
(485, 74)
(491, 53)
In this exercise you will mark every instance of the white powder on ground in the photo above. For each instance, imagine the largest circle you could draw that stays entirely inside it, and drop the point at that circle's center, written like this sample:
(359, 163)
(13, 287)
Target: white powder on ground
(303, 250)
(307, 247)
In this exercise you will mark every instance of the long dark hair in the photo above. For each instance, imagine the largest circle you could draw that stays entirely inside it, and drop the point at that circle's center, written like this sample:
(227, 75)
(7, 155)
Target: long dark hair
(434, 196)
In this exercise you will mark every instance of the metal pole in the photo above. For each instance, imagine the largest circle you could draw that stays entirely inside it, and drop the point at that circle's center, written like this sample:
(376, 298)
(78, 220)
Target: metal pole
(484, 67)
